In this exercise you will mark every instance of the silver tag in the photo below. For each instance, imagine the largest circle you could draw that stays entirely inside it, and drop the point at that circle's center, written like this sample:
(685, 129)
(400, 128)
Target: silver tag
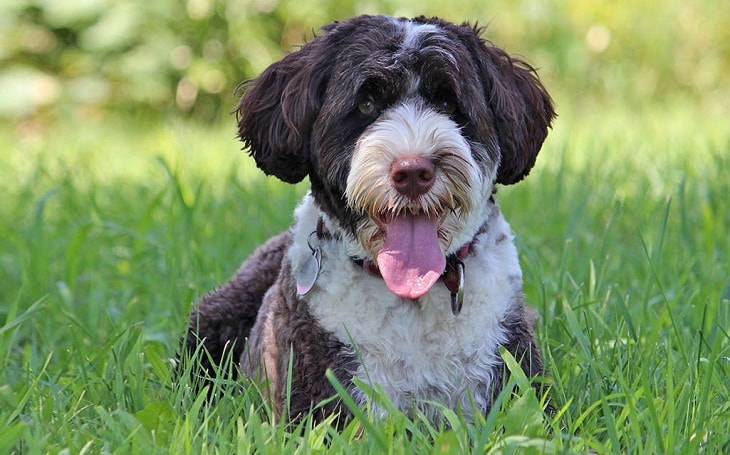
(457, 298)
(309, 272)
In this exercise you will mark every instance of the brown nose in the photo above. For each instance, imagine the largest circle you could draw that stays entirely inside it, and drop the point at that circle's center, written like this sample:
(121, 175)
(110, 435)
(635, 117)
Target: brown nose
(412, 176)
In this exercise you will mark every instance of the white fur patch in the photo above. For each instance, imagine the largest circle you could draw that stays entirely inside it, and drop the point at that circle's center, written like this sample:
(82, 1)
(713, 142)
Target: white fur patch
(414, 32)
(417, 350)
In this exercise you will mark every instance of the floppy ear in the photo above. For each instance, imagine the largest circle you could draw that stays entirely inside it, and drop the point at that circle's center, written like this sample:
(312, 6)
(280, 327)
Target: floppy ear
(276, 113)
(522, 111)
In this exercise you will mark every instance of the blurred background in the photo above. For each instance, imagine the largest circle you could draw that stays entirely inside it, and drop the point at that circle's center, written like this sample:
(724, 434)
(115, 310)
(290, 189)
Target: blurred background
(86, 59)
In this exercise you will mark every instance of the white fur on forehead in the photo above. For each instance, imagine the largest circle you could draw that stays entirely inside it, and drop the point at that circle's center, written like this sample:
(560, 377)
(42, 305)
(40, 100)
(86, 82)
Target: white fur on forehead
(414, 32)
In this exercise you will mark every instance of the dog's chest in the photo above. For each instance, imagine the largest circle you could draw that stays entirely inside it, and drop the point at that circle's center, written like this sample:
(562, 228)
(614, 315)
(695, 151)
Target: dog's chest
(418, 350)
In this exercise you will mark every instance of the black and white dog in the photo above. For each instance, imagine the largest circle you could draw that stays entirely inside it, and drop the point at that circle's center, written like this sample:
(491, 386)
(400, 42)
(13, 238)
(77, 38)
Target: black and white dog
(400, 269)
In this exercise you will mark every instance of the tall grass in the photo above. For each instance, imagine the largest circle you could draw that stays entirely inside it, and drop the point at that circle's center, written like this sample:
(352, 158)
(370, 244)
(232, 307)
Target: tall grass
(109, 233)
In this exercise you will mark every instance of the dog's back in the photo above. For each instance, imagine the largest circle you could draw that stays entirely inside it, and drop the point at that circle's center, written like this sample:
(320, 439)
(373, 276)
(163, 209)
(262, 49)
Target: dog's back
(223, 318)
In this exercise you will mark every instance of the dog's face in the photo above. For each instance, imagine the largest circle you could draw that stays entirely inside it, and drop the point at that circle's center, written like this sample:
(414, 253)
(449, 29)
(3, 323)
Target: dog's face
(403, 127)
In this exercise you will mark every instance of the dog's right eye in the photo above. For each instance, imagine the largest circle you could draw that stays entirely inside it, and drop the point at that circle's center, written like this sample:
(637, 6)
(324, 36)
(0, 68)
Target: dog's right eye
(448, 107)
(367, 107)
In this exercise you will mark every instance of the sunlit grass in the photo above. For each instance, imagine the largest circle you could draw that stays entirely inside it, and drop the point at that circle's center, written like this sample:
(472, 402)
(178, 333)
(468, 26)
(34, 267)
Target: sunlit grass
(109, 232)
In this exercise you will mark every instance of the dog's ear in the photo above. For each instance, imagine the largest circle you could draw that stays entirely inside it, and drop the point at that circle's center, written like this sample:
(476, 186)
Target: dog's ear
(277, 110)
(522, 109)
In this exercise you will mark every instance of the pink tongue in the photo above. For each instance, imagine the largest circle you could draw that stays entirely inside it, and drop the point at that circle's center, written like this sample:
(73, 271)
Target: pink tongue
(411, 260)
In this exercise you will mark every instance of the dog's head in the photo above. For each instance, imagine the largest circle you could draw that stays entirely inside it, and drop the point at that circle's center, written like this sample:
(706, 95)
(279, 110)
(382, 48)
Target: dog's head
(403, 127)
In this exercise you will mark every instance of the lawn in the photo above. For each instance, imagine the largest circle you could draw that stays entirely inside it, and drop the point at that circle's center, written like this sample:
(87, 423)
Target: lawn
(110, 230)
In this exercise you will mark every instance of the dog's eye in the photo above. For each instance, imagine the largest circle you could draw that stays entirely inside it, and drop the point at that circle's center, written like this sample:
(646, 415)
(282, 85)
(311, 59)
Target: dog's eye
(367, 107)
(448, 107)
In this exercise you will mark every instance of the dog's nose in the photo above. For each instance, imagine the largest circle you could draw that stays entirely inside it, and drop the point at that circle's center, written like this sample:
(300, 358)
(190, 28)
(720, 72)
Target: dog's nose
(412, 176)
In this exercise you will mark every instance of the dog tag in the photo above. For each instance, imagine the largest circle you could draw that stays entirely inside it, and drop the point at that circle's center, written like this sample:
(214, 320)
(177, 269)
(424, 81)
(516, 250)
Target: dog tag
(457, 298)
(309, 272)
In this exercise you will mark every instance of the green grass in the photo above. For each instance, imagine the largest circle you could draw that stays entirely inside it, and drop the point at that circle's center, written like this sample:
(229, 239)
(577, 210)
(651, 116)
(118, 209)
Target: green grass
(109, 232)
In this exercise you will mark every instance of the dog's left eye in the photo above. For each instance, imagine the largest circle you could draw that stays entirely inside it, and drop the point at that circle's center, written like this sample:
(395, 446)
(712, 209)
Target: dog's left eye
(367, 107)
(448, 107)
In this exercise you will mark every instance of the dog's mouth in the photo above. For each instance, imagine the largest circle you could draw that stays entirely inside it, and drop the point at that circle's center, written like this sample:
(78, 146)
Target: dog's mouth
(411, 260)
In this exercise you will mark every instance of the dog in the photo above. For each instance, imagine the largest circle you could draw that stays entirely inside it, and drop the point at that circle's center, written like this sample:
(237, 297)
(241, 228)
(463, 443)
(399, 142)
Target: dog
(400, 271)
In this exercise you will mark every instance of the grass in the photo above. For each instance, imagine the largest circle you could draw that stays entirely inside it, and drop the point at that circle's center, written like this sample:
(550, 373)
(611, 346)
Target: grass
(109, 232)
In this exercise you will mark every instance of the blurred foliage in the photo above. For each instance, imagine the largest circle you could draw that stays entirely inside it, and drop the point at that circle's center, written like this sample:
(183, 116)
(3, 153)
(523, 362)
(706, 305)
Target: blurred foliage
(87, 57)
